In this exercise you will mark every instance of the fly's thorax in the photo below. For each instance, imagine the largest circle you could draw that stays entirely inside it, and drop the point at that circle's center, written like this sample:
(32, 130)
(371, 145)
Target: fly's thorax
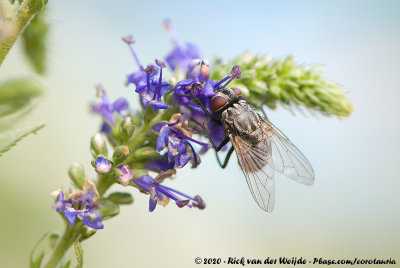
(240, 119)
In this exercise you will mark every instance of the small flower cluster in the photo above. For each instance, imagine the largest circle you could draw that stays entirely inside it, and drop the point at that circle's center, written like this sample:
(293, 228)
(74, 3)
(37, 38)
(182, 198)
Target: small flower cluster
(161, 136)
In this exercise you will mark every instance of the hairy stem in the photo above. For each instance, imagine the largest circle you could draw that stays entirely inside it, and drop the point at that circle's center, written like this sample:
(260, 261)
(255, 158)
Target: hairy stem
(14, 27)
(104, 182)
(66, 241)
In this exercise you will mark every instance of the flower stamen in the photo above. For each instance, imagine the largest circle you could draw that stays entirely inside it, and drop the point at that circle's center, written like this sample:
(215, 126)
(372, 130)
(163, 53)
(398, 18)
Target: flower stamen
(129, 41)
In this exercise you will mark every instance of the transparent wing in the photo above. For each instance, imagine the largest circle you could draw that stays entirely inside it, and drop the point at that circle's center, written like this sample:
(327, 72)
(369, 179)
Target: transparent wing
(287, 159)
(257, 166)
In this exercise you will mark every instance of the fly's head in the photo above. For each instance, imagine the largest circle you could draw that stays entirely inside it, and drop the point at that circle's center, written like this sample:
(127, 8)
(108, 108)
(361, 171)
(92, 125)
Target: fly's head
(224, 98)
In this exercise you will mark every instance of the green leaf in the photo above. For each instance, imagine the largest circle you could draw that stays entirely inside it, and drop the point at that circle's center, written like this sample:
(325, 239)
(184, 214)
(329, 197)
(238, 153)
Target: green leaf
(108, 209)
(79, 254)
(17, 95)
(34, 42)
(35, 263)
(66, 265)
(53, 238)
(38, 262)
(8, 140)
(121, 198)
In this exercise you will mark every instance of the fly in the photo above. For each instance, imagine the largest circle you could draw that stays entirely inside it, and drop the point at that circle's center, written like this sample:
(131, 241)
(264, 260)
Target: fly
(261, 148)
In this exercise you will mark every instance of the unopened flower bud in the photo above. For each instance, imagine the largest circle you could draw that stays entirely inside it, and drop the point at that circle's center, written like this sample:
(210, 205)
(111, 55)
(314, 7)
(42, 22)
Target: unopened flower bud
(145, 153)
(77, 174)
(102, 165)
(127, 128)
(124, 175)
(121, 152)
(199, 69)
(98, 144)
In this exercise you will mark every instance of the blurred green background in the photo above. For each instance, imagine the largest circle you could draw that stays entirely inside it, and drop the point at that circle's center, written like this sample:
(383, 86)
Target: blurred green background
(351, 211)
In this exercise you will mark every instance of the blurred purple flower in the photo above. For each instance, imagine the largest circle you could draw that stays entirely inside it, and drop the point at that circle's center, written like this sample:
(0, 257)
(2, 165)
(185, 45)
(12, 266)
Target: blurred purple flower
(199, 70)
(182, 54)
(107, 109)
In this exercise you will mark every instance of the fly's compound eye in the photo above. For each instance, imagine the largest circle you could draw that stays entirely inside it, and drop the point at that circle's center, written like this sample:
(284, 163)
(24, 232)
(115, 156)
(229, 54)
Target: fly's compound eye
(217, 102)
(237, 91)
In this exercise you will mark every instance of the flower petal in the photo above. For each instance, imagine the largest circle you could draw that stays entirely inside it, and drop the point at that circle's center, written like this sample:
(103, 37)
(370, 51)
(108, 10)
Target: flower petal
(152, 204)
(144, 182)
(92, 219)
(120, 105)
(162, 139)
(157, 127)
(71, 216)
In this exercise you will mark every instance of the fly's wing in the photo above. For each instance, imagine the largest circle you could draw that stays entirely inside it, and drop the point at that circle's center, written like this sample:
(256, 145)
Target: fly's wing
(257, 166)
(287, 159)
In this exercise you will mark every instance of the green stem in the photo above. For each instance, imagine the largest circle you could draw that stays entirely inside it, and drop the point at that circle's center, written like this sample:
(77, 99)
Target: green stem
(66, 241)
(140, 135)
(13, 28)
(104, 182)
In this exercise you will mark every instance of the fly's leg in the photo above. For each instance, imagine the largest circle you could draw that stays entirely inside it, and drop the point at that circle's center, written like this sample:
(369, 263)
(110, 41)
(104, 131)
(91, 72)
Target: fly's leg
(199, 102)
(223, 143)
(207, 133)
(227, 157)
(217, 149)
(203, 127)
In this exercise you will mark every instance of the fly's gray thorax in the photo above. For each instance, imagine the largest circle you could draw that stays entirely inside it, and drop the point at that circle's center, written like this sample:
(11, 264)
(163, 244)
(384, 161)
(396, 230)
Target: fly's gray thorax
(242, 120)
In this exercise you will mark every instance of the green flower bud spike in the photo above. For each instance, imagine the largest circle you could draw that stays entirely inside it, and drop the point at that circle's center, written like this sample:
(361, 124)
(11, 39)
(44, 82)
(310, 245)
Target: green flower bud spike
(288, 84)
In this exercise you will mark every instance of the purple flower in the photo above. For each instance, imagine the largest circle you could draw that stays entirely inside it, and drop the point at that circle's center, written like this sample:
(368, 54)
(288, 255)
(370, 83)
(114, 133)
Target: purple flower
(107, 109)
(160, 164)
(199, 70)
(236, 72)
(152, 90)
(124, 175)
(102, 165)
(162, 194)
(140, 75)
(182, 54)
(175, 136)
(196, 89)
(81, 204)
